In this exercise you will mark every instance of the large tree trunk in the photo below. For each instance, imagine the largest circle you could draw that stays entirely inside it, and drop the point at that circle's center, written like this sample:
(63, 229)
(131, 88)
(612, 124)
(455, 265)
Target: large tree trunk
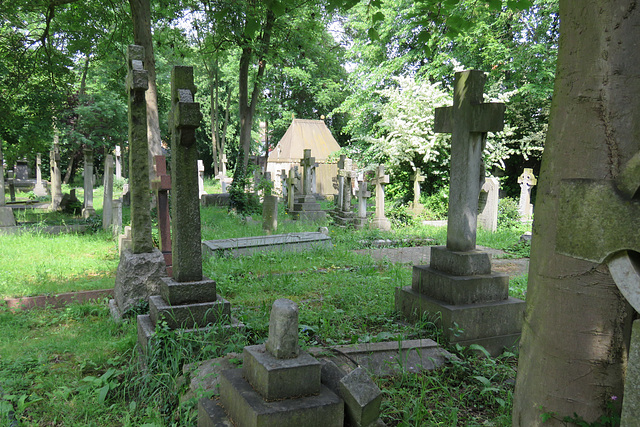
(575, 338)
(141, 16)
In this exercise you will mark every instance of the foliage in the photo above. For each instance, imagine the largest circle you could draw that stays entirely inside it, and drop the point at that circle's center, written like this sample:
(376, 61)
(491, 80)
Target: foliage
(508, 213)
(436, 205)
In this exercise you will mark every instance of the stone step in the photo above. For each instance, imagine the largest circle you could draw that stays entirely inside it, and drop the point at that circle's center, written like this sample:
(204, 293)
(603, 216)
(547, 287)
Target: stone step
(189, 315)
(464, 323)
(459, 290)
(278, 379)
(179, 293)
(246, 408)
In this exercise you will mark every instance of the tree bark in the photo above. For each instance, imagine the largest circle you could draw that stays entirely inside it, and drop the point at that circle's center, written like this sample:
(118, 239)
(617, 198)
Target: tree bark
(575, 338)
(141, 16)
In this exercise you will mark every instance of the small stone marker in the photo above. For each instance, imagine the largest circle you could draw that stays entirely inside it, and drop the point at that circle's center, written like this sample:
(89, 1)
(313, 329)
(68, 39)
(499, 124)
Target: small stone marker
(162, 185)
(380, 220)
(87, 209)
(417, 178)
(118, 153)
(283, 330)
(526, 181)
(137, 84)
(307, 163)
(2, 196)
(488, 208)
(201, 191)
(116, 216)
(270, 213)
(362, 398)
(185, 208)
(107, 199)
(56, 177)
(468, 121)
(39, 190)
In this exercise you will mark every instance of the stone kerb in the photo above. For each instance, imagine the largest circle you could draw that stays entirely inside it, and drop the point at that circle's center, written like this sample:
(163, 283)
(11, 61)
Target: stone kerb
(458, 288)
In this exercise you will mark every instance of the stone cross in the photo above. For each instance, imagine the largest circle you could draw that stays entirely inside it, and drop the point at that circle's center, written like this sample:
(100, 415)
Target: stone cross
(291, 185)
(380, 179)
(87, 209)
(223, 164)
(298, 181)
(39, 190)
(161, 185)
(201, 191)
(2, 201)
(468, 121)
(283, 330)
(107, 199)
(223, 184)
(137, 84)
(307, 163)
(185, 209)
(283, 183)
(314, 177)
(417, 179)
(526, 181)
(363, 195)
(488, 210)
(341, 165)
(56, 177)
(118, 162)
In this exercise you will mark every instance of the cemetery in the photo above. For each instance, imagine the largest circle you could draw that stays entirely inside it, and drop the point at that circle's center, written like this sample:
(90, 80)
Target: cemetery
(289, 213)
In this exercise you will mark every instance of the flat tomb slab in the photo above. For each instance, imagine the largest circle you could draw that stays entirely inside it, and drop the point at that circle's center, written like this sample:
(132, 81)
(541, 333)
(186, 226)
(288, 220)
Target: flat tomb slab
(294, 242)
(246, 408)
(280, 378)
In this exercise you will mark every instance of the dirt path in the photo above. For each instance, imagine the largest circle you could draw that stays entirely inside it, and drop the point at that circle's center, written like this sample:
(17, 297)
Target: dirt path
(421, 255)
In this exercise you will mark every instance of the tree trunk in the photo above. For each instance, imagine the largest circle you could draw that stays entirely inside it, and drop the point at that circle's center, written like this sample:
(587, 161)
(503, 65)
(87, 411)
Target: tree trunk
(214, 127)
(575, 338)
(141, 16)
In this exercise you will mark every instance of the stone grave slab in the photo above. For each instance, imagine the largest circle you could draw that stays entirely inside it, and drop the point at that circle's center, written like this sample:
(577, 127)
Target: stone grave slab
(294, 242)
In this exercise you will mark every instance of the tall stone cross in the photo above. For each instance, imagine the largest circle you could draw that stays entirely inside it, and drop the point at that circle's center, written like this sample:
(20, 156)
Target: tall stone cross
(380, 179)
(137, 84)
(118, 162)
(363, 195)
(417, 179)
(185, 117)
(88, 209)
(161, 185)
(291, 189)
(341, 164)
(40, 189)
(526, 181)
(223, 164)
(307, 163)
(468, 121)
(107, 196)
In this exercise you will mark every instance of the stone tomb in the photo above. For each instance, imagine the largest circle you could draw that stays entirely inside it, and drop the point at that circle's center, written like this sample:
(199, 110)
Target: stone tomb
(293, 242)
(306, 206)
(458, 290)
(278, 384)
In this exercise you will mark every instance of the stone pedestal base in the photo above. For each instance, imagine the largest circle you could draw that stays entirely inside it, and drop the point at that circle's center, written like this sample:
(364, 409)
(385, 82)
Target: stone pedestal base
(381, 223)
(307, 208)
(7, 219)
(87, 212)
(343, 218)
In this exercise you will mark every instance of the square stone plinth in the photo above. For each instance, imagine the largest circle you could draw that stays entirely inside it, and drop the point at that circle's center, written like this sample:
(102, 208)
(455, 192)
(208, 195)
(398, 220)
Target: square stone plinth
(188, 315)
(245, 407)
(460, 263)
(280, 378)
(453, 289)
(481, 323)
(180, 293)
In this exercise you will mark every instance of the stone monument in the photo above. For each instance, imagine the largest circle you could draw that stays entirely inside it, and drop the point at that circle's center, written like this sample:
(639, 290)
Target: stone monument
(363, 195)
(458, 288)
(380, 220)
(201, 191)
(416, 207)
(56, 177)
(40, 189)
(306, 206)
(527, 180)
(161, 185)
(488, 204)
(141, 266)
(87, 207)
(107, 199)
(118, 153)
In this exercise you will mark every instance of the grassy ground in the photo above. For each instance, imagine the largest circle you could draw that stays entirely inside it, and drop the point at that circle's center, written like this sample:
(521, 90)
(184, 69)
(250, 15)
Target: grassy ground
(76, 367)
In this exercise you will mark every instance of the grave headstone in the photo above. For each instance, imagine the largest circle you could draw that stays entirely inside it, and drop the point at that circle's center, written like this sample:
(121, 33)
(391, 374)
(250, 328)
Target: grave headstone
(473, 302)
(363, 196)
(87, 207)
(201, 191)
(291, 185)
(380, 220)
(278, 383)
(118, 160)
(107, 199)
(344, 215)
(2, 196)
(40, 189)
(283, 183)
(270, 213)
(116, 216)
(488, 204)
(527, 180)
(21, 169)
(56, 177)
(341, 166)
(417, 178)
(307, 163)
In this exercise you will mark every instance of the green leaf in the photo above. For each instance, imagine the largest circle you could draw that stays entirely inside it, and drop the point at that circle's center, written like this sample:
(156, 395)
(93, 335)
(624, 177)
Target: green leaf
(495, 4)
(519, 4)
(102, 394)
(379, 16)
(373, 34)
(483, 380)
(481, 349)
(251, 28)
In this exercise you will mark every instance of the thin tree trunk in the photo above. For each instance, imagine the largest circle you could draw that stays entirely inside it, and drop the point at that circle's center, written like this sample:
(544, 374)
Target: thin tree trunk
(575, 338)
(141, 16)
(214, 127)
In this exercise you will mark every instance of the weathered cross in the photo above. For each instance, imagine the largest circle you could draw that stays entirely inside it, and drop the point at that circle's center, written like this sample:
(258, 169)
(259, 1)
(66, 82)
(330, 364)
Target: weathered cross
(417, 179)
(468, 121)
(161, 185)
(185, 207)
(291, 185)
(341, 164)
(307, 163)
(379, 180)
(137, 84)
(526, 181)
(118, 162)
(363, 195)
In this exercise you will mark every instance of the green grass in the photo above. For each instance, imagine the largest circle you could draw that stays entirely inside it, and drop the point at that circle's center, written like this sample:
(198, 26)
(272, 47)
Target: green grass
(75, 366)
